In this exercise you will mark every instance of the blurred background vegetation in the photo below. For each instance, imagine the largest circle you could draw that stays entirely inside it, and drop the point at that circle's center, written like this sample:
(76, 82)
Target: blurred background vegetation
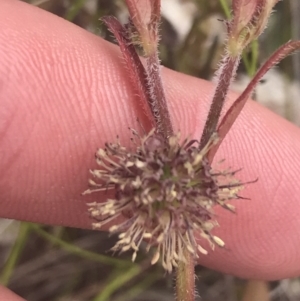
(43, 263)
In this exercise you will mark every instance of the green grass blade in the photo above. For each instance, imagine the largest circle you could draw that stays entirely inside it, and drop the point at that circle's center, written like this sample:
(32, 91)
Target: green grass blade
(116, 281)
(74, 10)
(81, 252)
(15, 253)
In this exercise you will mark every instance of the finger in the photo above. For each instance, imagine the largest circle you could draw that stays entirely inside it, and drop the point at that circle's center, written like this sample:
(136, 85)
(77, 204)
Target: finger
(64, 93)
(7, 295)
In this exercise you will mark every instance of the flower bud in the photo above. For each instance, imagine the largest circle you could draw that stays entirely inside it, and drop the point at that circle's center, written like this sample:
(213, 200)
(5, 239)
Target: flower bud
(145, 19)
(250, 18)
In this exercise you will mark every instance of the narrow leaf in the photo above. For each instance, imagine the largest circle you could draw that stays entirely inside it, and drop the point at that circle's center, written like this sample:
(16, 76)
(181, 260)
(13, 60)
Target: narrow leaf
(234, 111)
(137, 72)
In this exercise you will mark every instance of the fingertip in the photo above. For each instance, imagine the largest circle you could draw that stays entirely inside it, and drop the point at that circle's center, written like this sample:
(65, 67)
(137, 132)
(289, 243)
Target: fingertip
(8, 295)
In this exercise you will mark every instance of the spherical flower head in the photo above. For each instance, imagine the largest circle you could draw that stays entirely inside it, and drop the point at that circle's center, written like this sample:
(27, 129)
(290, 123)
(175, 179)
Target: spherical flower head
(166, 190)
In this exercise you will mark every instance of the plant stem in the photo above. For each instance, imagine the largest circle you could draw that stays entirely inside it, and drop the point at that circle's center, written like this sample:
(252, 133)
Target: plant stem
(226, 74)
(159, 104)
(185, 279)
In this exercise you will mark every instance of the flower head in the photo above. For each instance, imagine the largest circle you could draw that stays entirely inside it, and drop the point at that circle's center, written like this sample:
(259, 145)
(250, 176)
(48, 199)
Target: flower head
(166, 190)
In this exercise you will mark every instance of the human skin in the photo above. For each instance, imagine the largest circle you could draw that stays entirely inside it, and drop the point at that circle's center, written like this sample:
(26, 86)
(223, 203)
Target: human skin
(64, 92)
